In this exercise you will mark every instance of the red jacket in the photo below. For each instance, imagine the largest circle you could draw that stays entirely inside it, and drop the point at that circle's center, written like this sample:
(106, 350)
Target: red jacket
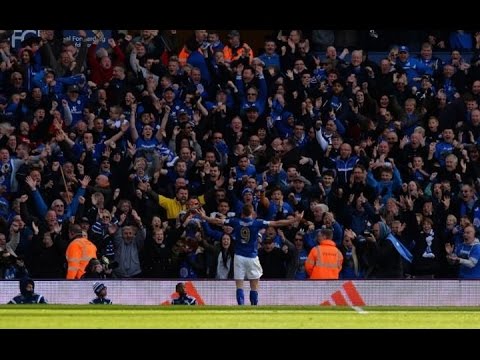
(99, 74)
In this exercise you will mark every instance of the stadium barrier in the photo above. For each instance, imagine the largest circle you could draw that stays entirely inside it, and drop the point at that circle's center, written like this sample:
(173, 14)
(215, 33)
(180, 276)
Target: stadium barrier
(322, 293)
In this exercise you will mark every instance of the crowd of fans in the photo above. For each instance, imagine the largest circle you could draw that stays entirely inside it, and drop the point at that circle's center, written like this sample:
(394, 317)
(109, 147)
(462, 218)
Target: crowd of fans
(122, 146)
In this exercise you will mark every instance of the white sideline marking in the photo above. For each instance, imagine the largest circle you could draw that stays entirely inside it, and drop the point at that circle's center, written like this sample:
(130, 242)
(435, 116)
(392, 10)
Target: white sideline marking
(359, 310)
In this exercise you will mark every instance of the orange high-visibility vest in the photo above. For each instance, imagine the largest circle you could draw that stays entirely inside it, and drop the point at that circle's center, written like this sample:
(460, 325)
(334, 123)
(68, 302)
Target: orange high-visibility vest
(324, 261)
(230, 55)
(79, 253)
(183, 56)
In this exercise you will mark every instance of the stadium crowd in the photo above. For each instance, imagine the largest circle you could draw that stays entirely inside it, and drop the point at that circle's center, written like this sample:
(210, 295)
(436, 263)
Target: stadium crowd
(107, 155)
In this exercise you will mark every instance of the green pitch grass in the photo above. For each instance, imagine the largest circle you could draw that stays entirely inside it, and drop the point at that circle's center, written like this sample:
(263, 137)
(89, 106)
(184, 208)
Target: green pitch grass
(233, 317)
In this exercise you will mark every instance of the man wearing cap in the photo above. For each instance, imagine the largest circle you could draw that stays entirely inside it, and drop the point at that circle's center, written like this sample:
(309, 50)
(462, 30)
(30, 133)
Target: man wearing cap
(298, 196)
(245, 234)
(101, 291)
(274, 256)
(76, 103)
(85, 225)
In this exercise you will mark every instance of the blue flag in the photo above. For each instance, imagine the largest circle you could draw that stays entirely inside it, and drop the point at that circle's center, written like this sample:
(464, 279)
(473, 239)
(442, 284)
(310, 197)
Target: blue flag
(402, 250)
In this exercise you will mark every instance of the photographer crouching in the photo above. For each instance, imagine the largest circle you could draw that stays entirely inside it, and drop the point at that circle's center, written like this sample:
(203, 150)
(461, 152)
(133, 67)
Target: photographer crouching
(99, 268)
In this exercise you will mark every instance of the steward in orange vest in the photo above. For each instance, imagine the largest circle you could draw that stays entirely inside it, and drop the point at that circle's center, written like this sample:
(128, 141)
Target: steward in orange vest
(325, 260)
(79, 252)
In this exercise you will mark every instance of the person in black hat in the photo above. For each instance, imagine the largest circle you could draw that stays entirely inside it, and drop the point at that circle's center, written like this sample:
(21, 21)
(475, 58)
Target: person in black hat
(84, 223)
(27, 294)
(73, 89)
(101, 291)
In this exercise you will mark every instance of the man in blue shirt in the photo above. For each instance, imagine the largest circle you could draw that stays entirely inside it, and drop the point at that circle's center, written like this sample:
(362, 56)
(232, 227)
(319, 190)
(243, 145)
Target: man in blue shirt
(466, 255)
(245, 234)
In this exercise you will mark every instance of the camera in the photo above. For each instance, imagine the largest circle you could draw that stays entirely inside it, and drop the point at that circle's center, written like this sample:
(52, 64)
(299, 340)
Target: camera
(195, 99)
(366, 233)
(107, 264)
(194, 210)
(7, 259)
(182, 215)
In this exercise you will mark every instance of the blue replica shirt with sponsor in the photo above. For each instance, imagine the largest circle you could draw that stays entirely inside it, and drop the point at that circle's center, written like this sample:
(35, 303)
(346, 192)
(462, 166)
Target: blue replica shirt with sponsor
(469, 252)
(249, 171)
(442, 150)
(147, 144)
(97, 151)
(76, 108)
(285, 209)
(146, 148)
(245, 233)
(300, 273)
